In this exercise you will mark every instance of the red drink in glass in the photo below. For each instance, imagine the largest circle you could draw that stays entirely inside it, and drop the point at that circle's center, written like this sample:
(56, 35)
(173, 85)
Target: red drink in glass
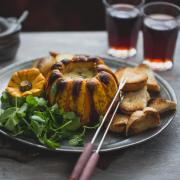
(160, 35)
(123, 23)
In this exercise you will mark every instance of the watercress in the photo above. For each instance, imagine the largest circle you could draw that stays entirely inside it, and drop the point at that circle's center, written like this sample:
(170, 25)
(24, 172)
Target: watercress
(33, 117)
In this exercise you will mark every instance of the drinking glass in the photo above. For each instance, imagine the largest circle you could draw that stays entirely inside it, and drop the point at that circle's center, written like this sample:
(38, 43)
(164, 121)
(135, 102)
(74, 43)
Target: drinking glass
(123, 22)
(160, 31)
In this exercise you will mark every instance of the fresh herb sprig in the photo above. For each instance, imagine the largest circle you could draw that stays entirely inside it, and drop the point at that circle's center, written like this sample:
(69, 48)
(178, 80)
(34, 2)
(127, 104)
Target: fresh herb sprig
(32, 117)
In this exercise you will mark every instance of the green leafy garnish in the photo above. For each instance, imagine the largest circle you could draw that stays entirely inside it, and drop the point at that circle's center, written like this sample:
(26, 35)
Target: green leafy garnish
(9, 119)
(5, 100)
(32, 117)
(77, 140)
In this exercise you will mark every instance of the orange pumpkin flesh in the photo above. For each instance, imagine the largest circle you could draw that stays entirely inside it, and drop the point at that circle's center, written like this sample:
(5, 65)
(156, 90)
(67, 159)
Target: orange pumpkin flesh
(84, 85)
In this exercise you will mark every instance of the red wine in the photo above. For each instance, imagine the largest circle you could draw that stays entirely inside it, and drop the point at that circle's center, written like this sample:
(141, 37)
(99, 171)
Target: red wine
(123, 24)
(160, 34)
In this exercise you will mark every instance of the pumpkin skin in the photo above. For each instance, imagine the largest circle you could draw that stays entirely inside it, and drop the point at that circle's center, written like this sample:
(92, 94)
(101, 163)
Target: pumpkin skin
(26, 82)
(84, 85)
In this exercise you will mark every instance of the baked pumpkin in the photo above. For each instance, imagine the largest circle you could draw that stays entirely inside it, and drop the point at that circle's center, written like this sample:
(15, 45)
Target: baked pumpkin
(84, 85)
(26, 82)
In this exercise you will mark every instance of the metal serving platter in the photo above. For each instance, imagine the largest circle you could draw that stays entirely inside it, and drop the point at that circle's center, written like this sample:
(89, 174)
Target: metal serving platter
(112, 141)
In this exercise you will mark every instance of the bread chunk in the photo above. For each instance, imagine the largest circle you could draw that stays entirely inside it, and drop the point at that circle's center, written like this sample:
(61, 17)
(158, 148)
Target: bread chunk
(133, 101)
(119, 123)
(141, 121)
(162, 105)
(135, 79)
(152, 84)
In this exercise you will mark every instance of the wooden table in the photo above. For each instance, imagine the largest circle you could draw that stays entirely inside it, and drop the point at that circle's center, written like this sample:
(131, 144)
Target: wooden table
(158, 158)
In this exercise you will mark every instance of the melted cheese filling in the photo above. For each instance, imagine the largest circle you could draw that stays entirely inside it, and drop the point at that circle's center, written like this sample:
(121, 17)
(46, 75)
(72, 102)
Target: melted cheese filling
(81, 73)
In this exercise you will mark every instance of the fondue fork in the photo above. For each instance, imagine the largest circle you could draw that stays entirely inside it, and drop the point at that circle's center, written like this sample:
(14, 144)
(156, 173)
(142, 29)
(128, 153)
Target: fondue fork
(88, 160)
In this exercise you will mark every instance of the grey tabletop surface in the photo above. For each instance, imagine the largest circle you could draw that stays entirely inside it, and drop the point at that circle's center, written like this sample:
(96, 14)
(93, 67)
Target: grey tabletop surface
(157, 159)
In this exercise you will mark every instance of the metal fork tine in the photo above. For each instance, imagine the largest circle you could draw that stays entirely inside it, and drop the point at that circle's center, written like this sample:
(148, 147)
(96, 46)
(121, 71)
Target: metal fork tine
(86, 163)
(121, 85)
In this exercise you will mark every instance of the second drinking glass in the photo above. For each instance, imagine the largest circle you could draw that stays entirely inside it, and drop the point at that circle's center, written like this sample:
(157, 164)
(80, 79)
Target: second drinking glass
(160, 30)
(123, 22)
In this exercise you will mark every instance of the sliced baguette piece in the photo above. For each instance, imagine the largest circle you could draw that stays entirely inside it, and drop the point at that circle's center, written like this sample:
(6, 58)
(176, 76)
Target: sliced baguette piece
(119, 123)
(136, 100)
(141, 121)
(162, 105)
(152, 84)
(135, 80)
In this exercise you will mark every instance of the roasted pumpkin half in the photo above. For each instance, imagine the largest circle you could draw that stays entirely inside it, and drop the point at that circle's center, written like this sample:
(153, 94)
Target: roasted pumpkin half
(26, 82)
(84, 85)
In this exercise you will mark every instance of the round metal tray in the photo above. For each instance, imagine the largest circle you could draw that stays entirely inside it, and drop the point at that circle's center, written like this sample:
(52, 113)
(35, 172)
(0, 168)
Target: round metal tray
(112, 141)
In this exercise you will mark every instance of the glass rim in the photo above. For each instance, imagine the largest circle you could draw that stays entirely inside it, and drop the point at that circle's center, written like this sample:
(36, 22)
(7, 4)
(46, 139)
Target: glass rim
(105, 2)
(160, 3)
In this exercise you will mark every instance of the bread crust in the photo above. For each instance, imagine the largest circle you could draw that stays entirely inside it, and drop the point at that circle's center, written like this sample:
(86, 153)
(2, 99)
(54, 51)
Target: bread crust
(119, 123)
(152, 83)
(162, 105)
(138, 77)
(134, 80)
(133, 101)
(141, 121)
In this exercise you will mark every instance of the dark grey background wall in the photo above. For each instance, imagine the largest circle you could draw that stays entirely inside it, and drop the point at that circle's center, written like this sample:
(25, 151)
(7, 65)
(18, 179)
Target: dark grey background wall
(55, 15)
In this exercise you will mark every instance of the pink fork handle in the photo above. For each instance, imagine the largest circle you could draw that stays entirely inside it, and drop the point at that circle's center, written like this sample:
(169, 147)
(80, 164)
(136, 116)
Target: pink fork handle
(90, 166)
(81, 162)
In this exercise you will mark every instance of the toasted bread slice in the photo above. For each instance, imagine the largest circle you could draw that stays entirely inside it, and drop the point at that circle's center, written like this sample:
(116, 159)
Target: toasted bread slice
(143, 120)
(135, 80)
(119, 123)
(162, 105)
(152, 84)
(136, 100)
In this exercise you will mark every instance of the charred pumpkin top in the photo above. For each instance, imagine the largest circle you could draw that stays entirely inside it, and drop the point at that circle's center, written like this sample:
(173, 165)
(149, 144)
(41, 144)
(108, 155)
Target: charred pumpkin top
(79, 68)
(83, 84)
